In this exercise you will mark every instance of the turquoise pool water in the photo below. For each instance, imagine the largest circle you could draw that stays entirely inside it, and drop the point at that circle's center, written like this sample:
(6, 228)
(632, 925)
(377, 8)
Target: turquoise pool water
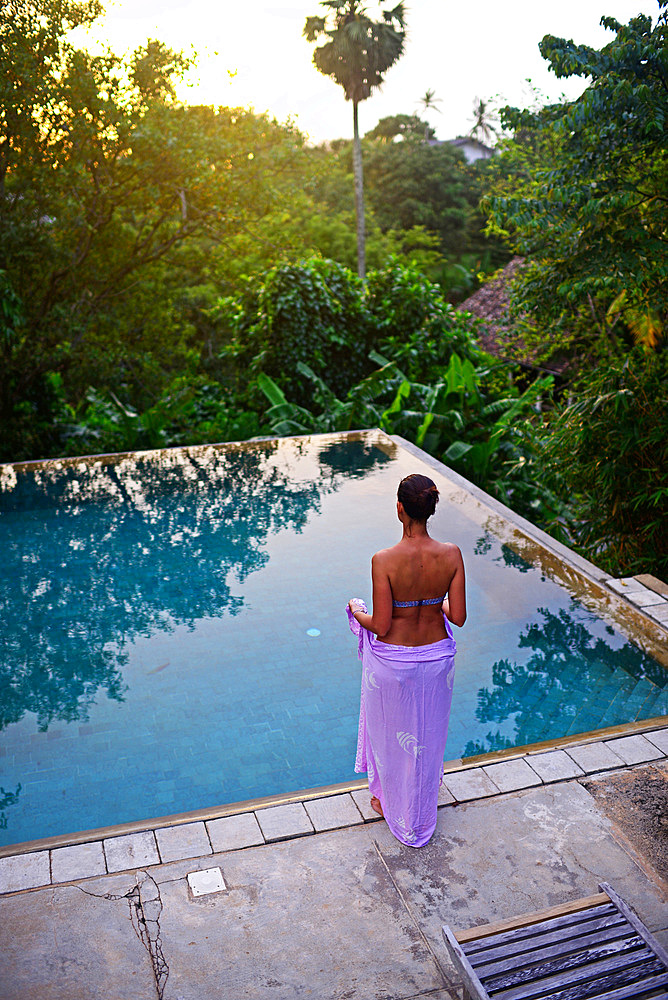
(174, 635)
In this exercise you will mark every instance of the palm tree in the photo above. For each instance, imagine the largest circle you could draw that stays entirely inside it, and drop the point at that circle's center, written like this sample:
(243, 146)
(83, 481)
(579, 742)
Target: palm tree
(484, 121)
(428, 102)
(356, 53)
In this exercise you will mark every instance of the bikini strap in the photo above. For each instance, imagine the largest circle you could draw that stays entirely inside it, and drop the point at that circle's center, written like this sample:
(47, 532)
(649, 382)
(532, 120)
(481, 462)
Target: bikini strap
(417, 604)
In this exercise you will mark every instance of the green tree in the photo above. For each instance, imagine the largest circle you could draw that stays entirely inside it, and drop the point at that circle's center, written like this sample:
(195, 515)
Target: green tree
(591, 215)
(428, 102)
(485, 121)
(356, 54)
(395, 128)
(412, 183)
(104, 179)
(312, 311)
(421, 203)
(608, 452)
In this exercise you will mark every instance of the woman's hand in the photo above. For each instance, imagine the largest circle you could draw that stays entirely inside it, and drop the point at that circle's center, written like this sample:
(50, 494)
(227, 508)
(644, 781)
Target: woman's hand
(355, 604)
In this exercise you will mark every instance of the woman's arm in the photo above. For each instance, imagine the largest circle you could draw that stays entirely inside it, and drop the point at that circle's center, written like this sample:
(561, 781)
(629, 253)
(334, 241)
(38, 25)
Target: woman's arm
(380, 620)
(454, 605)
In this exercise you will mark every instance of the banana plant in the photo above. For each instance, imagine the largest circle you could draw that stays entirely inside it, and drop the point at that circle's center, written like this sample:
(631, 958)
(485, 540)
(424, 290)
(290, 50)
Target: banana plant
(451, 419)
(285, 418)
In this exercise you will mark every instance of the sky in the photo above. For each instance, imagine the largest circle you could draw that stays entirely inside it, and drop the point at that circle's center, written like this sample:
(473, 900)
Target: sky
(252, 54)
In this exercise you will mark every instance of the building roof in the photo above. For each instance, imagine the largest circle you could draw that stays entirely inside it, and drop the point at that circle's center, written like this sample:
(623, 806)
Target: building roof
(497, 334)
(469, 140)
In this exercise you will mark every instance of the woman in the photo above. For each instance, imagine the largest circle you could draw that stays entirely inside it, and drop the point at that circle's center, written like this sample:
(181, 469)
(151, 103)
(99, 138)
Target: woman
(407, 652)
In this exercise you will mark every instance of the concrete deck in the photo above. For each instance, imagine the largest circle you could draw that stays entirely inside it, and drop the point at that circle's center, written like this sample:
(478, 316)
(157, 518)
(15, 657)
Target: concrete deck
(343, 913)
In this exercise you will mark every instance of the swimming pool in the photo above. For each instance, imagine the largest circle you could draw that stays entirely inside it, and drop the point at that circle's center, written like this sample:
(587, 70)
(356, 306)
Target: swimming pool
(174, 636)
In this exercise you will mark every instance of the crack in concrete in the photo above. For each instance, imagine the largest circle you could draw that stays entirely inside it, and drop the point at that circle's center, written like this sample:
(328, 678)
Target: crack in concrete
(145, 905)
(446, 982)
(145, 909)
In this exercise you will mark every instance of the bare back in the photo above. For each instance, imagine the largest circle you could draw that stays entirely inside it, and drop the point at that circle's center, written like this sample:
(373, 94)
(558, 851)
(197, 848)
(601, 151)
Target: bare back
(418, 568)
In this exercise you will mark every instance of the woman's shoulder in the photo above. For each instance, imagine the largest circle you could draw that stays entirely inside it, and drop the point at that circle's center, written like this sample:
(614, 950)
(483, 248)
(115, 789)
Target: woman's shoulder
(446, 546)
(450, 551)
(384, 556)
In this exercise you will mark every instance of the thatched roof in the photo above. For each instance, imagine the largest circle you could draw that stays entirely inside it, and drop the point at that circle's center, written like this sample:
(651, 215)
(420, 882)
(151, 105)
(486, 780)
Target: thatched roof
(497, 334)
(491, 304)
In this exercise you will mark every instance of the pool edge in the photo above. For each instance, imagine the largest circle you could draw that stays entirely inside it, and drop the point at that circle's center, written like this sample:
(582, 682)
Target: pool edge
(325, 791)
(386, 442)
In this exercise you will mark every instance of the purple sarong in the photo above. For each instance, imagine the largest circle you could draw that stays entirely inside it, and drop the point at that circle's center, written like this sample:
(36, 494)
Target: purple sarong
(404, 712)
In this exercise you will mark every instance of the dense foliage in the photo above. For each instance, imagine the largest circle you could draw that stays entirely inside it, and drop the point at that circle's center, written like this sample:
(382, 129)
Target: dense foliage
(609, 452)
(422, 196)
(581, 192)
(175, 275)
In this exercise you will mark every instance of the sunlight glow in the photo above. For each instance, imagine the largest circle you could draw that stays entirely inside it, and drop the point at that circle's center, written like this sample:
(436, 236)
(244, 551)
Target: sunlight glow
(254, 55)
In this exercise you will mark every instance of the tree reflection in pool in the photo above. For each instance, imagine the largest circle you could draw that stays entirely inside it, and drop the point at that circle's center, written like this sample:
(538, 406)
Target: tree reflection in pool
(573, 682)
(173, 633)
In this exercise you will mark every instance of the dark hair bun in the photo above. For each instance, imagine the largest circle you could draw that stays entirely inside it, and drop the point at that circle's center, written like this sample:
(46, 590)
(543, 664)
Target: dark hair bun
(419, 496)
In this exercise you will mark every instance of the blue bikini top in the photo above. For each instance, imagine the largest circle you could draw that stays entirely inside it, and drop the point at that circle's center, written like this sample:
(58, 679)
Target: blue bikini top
(418, 604)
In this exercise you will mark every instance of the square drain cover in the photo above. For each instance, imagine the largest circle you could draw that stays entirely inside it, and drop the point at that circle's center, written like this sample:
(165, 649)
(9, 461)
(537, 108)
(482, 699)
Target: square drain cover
(210, 880)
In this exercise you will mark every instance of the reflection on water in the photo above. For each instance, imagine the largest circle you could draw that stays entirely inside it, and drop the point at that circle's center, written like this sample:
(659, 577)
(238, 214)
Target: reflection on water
(572, 682)
(508, 556)
(7, 799)
(203, 591)
(98, 554)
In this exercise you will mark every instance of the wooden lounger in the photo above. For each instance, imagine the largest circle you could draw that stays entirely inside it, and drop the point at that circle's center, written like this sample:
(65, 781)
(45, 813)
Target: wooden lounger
(589, 948)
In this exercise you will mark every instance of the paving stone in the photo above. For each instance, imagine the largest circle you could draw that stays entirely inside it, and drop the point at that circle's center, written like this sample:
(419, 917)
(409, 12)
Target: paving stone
(659, 612)
(78, 861)
(646, 599)
(264, 938)
(488, 861)
(473, 784)
(511, 775)
(24, 871)
(659, 738)
(595, 757)
(229, 833)
(555, 765)
(332, 812)
(634, 749)
(362, 799)
(626, 585)
(282, 822)
(134, 850)
(445, 797)
(188, 840)
(62, 943)
(653, 583)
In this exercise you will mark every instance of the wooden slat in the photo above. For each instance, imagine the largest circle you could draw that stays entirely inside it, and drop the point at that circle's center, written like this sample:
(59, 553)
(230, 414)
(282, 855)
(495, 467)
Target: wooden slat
(592, 960)
(577, 950)
(472, 985)
(485, 930)
(568, 923)
(575, 936)
(583, 983)
(646, 935)
(599, 988)
(639, 988)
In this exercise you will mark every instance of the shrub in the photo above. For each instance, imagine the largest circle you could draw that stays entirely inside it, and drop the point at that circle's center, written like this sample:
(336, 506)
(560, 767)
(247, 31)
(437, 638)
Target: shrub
(610, 449)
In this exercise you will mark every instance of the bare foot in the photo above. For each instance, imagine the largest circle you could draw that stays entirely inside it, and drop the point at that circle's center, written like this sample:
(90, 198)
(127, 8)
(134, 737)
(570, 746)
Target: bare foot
(376, 806)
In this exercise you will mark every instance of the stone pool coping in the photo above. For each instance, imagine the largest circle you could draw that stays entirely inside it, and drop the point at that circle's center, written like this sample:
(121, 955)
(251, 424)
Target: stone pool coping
(311, 814)
(645, 593)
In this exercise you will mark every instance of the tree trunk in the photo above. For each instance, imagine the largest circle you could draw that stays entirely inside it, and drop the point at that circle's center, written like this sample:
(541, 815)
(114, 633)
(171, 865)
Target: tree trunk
(359, 195)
